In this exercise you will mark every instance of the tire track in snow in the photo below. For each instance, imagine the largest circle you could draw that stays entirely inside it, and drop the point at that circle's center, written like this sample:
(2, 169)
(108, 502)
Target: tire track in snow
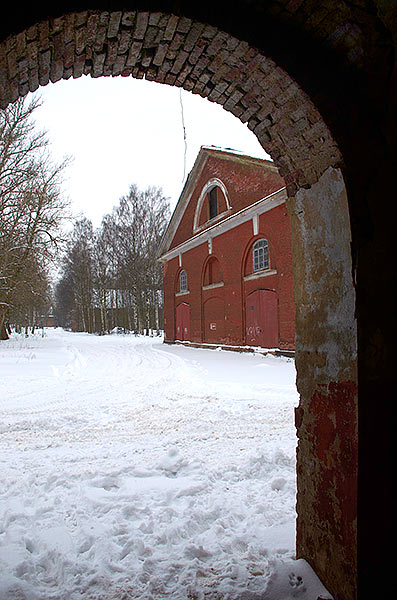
(80, 397)
(133, 475)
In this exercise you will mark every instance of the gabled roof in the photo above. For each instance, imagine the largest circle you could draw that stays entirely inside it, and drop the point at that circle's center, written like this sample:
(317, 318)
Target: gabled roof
(190, 184)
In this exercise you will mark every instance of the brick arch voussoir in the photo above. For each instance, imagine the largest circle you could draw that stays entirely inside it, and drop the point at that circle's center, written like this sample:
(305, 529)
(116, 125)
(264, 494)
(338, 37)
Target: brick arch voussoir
(177, 51)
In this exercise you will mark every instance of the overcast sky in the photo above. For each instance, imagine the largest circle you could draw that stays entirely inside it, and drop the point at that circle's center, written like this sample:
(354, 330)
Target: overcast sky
(121, 131)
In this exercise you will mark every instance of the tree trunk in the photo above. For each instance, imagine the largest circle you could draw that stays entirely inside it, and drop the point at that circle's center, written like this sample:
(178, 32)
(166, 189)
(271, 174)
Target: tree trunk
(3, 330)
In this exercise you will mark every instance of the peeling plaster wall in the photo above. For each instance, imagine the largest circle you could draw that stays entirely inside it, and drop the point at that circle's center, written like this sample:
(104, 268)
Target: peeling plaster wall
(323, 269)
(326, 362)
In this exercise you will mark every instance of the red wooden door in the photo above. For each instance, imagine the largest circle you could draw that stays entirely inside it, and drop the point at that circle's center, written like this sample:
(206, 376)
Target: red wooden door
(183, 322)
(261, 319)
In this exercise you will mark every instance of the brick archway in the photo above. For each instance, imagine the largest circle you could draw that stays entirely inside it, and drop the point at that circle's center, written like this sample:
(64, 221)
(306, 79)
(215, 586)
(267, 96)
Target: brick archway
(205, 60)
(225, 57)
(177, 51)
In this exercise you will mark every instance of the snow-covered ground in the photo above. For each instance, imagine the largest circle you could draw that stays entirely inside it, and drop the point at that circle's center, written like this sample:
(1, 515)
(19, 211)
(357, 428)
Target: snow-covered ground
(134, 470)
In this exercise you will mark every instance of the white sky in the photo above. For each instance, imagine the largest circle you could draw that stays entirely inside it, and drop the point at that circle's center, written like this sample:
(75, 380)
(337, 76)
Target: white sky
(121, 131)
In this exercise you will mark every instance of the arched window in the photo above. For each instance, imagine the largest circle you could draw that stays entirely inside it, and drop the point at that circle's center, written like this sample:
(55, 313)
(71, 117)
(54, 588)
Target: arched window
(213, 272)
(183, 281)
(213, 202)
(260, 255)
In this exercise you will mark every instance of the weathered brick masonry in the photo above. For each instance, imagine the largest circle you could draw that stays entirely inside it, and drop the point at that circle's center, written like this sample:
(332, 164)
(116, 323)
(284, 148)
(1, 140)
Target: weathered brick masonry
(176, 51)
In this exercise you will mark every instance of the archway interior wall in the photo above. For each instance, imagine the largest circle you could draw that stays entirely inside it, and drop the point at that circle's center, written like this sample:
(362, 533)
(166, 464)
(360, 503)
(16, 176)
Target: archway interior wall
(326, 362)
(202, 59)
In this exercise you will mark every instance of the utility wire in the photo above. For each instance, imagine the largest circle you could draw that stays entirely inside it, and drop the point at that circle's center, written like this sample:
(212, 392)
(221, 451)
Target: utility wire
(184, 135)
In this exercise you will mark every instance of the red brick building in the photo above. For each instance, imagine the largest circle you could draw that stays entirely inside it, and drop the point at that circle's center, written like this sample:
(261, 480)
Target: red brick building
(227, 255)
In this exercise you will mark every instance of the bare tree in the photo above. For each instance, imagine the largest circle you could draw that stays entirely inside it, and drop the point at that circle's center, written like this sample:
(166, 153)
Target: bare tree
(114, 270)
(31, 210)
(138, 223)
(78, 276)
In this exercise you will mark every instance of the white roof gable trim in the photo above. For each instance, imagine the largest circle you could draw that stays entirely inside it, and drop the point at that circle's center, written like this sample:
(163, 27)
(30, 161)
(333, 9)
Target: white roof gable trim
(183, 201)
(246, 214)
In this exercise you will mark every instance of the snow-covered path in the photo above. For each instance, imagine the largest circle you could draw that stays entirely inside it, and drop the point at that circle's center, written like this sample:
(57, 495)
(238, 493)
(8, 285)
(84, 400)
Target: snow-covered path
(136, 470)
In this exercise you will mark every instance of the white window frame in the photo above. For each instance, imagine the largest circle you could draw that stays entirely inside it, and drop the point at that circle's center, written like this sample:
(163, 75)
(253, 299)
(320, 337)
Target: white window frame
(183, 288)
(260, 255)
(215, 182)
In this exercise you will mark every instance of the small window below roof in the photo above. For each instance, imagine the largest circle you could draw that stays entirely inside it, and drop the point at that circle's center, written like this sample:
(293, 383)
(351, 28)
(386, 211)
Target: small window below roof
(260, 255)
(213, 202)
(183, 281)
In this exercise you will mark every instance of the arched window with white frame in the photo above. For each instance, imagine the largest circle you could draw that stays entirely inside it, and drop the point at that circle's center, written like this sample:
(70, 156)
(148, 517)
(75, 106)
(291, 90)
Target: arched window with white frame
(260, 255)
(212, 205)
(213, 202)
(183, 281)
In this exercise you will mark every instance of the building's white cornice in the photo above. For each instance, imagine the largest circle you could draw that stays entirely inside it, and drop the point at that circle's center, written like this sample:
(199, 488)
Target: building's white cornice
(245, 214)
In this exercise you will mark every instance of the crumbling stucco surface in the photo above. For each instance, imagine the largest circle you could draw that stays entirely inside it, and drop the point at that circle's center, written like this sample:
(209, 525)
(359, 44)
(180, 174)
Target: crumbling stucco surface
(326, 343)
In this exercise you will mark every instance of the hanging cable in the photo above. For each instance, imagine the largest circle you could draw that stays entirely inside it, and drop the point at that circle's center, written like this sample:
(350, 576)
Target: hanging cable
(184, 135)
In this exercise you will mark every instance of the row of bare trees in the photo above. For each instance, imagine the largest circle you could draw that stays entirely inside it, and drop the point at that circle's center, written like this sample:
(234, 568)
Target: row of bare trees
(111, 276)
(32, 211)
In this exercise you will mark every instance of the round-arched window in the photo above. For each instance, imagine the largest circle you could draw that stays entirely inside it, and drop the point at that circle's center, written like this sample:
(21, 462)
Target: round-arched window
(213, 202)
(260, 255)
(183, 281)
(213, 272)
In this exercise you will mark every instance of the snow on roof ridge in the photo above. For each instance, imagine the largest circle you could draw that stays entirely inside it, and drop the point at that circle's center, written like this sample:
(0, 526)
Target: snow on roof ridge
(232, 151)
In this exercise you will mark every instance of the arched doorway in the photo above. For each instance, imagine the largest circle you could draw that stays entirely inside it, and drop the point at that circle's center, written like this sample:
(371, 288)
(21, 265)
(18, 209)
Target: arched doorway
(224, 56)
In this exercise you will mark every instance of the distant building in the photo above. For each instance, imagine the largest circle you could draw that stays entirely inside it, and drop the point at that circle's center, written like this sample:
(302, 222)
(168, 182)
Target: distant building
(227, 255)
(48, 320)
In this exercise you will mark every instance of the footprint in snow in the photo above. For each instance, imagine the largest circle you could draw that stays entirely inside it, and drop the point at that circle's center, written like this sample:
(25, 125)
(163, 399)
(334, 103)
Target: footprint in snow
(172, 462)
(278, 484)
(296, 582)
